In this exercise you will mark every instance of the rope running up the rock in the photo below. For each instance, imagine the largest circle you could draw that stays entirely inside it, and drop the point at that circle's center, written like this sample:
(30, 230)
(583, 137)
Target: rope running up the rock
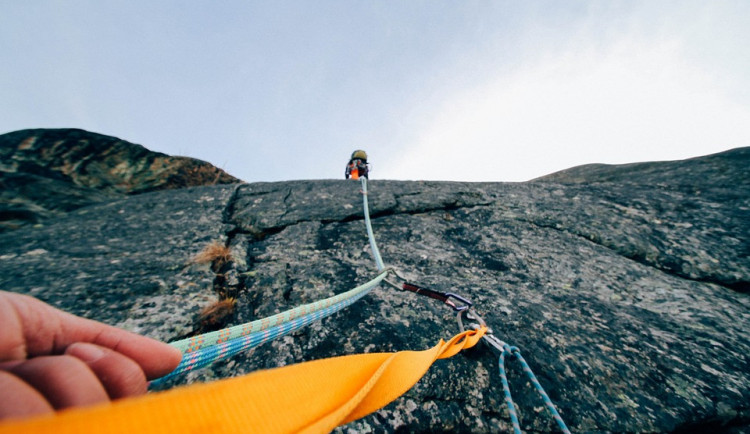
(511, 352)
(205, 349)
(370, 236)
(264, 330)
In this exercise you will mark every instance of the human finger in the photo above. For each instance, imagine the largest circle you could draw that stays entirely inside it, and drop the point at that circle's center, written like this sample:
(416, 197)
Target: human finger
(35, 328)
(155, 358)
(64, 381)
(18, 399)
(120, 376)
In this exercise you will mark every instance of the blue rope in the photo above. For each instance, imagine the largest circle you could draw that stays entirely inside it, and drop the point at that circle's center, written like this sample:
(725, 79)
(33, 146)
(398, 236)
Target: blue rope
(508, 397)
(515, 352)
(208, 355)
(195, 343)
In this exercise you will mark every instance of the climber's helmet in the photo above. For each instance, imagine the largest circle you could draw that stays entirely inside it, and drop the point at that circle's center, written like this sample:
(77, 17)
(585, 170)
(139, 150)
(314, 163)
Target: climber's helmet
(359, 155)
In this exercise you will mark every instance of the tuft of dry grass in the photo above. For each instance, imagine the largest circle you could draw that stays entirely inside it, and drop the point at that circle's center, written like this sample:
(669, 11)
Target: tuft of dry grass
(217, 314)
(216, 254)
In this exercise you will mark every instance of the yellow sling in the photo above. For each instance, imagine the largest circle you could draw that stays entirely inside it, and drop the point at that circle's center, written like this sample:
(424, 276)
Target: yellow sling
(310, 397)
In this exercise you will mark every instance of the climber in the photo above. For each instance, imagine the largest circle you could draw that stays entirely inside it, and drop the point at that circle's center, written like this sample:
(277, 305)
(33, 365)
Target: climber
(357, 165)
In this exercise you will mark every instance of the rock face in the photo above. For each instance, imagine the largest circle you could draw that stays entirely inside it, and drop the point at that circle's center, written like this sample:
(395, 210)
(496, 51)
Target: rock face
(627, 294)
(48, 172)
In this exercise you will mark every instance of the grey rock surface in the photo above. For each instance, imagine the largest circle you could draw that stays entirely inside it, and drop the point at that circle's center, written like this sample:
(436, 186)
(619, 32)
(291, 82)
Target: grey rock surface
(122, 261)
(628, 297)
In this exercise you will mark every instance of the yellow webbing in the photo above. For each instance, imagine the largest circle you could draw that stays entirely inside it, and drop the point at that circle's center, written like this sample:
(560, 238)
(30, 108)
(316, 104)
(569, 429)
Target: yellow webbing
(310, 397)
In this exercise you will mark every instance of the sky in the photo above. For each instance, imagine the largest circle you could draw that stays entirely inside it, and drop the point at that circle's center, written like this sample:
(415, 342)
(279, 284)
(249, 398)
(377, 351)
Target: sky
(432, 90)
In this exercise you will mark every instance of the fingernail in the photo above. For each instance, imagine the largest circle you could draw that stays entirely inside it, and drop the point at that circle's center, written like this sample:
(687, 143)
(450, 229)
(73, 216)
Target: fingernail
(88, 353)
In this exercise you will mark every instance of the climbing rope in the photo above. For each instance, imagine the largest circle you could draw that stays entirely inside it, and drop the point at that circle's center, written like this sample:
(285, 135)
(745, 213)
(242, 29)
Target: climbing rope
(370, 235)
(503, 350)
(514, 352)
(195, 343)
(253, 334)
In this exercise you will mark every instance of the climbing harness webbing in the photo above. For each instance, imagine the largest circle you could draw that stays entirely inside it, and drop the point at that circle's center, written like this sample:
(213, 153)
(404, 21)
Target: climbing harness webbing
(308, 397)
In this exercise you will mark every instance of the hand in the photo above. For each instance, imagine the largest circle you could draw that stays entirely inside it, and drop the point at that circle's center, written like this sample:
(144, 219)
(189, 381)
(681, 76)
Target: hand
(50, 360)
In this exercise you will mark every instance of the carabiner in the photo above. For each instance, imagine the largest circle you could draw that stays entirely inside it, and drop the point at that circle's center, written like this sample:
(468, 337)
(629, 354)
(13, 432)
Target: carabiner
(449, 295)
(495, 343)
(472, 315)
(488, 337)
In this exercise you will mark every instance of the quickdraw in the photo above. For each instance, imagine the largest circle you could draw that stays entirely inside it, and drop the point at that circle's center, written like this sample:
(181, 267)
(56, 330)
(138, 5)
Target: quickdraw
(498, 346)
(504, 350)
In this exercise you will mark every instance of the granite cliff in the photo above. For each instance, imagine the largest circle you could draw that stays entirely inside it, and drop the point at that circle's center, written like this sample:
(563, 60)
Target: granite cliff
(45, 173)
(626, 288)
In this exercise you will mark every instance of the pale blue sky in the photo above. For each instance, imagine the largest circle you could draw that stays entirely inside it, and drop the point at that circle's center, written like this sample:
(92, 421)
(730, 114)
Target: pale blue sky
(468, 91)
